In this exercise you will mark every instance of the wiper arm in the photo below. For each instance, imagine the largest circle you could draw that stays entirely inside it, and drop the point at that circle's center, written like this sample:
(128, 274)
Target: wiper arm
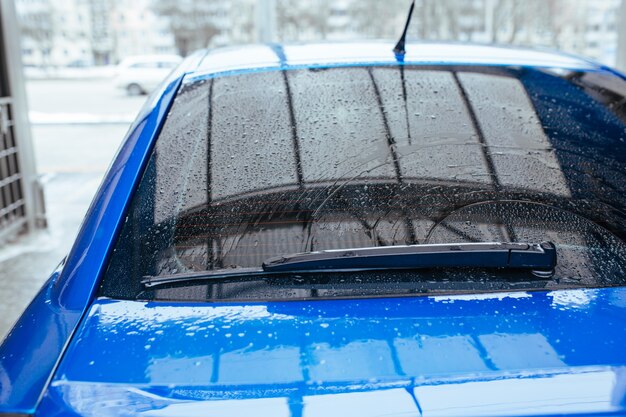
(539, 258)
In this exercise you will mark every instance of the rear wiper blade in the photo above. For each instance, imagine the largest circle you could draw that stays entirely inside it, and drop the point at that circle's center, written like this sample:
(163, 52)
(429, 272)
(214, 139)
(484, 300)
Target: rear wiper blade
(539, 258)
(150, 281)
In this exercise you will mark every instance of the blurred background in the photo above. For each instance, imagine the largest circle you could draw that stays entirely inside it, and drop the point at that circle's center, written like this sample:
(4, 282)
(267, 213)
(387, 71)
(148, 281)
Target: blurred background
(86, 33)
(74, 73)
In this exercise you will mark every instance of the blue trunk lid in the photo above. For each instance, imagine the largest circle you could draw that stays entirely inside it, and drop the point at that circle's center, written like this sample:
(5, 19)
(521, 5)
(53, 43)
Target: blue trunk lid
(522, 353)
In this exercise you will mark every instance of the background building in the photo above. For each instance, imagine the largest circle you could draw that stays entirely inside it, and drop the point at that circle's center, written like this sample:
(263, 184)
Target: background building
(78, 33)
(85, 32)
(600, 34)
(137, 30)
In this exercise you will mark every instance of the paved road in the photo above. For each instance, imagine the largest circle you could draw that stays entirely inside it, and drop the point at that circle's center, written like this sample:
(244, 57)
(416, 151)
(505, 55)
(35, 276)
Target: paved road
(72, 159)
(81, 96)
(67, 145)
(76, 148)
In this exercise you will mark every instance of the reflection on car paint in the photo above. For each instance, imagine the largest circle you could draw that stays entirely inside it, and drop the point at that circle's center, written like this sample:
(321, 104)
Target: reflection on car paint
(541, 352)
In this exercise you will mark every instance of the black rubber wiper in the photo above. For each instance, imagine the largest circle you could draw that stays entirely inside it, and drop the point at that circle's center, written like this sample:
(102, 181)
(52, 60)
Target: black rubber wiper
(536, 257)
(540, 259)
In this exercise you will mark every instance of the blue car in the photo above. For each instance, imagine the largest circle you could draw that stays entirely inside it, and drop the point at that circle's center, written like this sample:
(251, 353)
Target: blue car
(341, 230)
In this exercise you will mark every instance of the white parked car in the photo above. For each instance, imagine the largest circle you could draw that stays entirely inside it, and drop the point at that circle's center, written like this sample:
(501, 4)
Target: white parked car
(142, 73)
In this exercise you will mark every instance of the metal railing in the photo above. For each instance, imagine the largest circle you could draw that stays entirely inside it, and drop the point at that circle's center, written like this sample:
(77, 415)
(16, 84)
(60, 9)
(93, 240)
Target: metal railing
(21, 195)
(12, 203)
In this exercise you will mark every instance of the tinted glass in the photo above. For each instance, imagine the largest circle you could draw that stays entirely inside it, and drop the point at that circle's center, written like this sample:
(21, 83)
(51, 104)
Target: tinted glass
(264, 164)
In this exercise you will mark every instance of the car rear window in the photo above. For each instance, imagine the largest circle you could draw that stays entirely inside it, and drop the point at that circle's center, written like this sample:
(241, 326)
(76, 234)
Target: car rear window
(264, 164)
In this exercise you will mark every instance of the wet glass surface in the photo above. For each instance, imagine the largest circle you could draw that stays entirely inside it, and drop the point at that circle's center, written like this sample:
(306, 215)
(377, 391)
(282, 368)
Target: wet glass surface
(264, 164)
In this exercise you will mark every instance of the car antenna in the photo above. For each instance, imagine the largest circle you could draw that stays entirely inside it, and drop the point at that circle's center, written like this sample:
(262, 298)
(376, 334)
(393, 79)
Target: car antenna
(399, 48)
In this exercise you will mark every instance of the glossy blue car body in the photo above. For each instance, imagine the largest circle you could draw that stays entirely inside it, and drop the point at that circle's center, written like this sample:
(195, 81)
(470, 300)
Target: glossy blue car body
(73, 354)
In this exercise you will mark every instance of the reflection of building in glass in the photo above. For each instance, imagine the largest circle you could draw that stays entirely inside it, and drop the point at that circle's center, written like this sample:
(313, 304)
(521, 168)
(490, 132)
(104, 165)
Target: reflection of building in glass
(354, 132)
(283, 161)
